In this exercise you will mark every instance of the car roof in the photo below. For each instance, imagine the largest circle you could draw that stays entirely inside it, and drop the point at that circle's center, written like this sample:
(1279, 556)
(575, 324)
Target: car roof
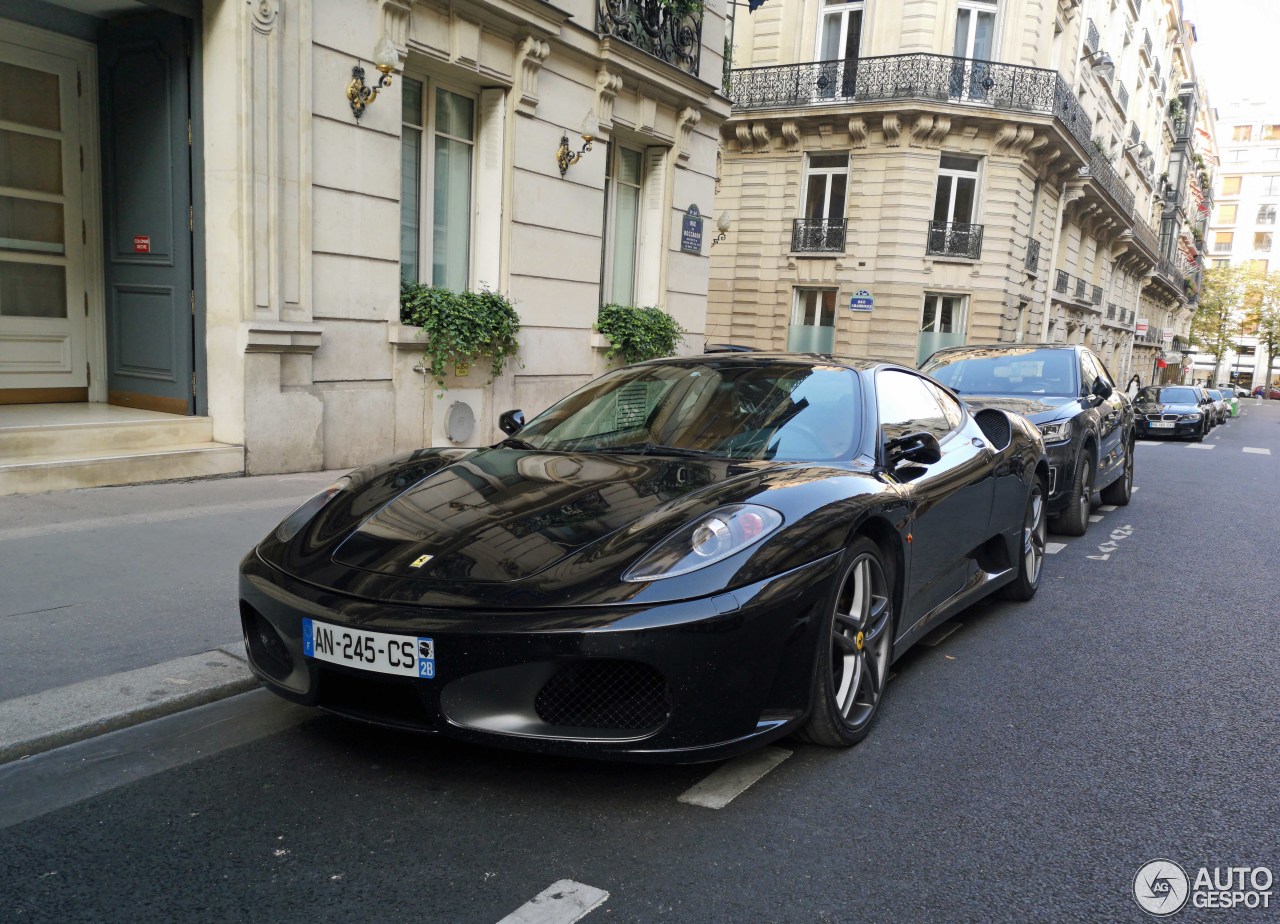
(763, 358)
(1010, 346)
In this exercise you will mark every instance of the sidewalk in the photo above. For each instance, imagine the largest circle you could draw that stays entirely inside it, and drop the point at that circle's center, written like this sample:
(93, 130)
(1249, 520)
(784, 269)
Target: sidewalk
(119, 604)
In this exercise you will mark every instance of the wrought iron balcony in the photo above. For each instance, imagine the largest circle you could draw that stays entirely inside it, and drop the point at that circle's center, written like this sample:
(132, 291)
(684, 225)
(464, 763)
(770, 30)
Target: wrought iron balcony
(1146, 42)
(1101, 171)
(654, 28)
(939, 78)
(818, 235)
(1033, 255)
(1097, 295)
(1063, 282)
(1081, 290)
(1135, 134)
(1122, 94)
(1155, 66)
(1093, 41)
(1147, 239)
(953, 239)
(1111, 312)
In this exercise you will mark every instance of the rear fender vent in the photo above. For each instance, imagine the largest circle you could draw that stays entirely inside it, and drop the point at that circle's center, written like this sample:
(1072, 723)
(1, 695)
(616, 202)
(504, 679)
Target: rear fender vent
(995, 427)
(603, 694)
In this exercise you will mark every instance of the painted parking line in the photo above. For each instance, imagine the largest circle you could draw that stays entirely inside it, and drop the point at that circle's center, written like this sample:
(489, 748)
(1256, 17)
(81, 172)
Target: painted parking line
(732, 779)
(1255, 449)
(1136, 488)
(1107, 508)
(1053, 548)
(561, 902)
(1201, 446)
(1095, 518)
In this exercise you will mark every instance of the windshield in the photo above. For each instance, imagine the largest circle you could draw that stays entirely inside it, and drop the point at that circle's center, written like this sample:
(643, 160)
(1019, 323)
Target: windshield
(1006, 372)
(738, 410)
(1157, 395)
(1215, 394)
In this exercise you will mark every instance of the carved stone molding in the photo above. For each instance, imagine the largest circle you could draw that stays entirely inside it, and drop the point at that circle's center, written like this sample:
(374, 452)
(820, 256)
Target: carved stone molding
(743, 131)
(281, 337)
(929, 130)
(530, 55)
(892, 130)
(688, 118)
(264, 13)
(760, 135)
(1013, 140)
(608, 85)
(395, 24)
(858, 131)
(791, 135)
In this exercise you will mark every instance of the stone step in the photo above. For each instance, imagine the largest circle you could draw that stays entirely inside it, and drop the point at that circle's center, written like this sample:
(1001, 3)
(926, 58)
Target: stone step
(18, 443)
(97, 468)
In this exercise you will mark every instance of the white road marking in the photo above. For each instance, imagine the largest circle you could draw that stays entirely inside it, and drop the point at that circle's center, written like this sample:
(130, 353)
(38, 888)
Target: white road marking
(938, 637)
(561, 902)
(1053, 548)
(1095, 519)
(1117, 536)
(1261, 452)
(1107, 508)
(1136, 488)
(732, 779)
(1201, 446)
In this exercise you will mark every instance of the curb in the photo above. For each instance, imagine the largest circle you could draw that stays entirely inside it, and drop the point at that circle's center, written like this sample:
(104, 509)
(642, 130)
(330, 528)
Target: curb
(51, 719)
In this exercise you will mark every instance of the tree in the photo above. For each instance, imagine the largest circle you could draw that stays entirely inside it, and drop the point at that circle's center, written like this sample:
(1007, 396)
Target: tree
(1228, 293)
(1265, 314)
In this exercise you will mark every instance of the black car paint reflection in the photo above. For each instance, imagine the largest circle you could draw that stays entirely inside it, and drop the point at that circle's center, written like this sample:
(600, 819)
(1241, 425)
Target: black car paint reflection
(514, 557)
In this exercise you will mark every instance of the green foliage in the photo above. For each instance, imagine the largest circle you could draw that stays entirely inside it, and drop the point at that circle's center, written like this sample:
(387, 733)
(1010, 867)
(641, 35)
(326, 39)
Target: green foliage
(680, 8)
(1228, 295)
(1176, 111)
(726, 84)
(461, 328)
(637, 334)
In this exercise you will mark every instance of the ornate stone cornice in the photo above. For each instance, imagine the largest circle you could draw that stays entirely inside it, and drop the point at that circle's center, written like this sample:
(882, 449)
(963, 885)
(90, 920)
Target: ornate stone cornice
(530, 55)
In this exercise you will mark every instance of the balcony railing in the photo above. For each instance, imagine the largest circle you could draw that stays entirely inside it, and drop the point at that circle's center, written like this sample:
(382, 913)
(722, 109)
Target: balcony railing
(1062, 282)
(953, 239)
(1097, 295)
(1148, 239)
(1146, 42)
(818, 235)
(654, 28)
(1111, 312)
(1135, 134)
(1092, 40)
(1033, 255)
(940, 78)
(1122, 94)
(1081, 288)
(1100, 170)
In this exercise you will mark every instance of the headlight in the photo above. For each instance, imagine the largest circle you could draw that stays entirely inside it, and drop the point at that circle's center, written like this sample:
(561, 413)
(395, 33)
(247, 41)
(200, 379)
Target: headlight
(706, 541)
(1056, 432)
(1195, 416)
(293, 523)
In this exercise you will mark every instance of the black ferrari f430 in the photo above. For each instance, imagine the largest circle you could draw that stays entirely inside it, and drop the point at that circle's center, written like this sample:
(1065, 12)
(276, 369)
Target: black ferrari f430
(681, 561)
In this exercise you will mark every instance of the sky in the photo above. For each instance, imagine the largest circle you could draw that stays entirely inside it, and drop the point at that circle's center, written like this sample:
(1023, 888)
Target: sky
(1238, 52)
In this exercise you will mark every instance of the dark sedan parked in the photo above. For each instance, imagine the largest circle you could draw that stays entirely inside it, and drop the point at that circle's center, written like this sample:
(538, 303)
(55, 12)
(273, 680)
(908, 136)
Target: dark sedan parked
(1182, 411)
(681, 561)
(1066, 391)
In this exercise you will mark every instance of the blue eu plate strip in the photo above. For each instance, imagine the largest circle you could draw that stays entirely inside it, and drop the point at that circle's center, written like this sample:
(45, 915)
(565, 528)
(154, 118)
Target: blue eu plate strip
(308, 638)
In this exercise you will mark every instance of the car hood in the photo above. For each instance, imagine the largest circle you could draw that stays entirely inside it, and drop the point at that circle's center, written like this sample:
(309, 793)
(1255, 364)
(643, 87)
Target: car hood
(1038, 409)
(509, 528)
(1146, 407)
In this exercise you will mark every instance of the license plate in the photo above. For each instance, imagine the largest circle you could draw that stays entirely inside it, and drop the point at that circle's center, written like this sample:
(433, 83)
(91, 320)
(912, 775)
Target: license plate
(1166, 424)
(405, 655)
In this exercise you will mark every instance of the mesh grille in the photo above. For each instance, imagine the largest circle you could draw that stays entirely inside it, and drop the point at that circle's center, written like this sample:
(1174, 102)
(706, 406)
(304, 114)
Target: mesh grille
(605, 694)
(995, 427)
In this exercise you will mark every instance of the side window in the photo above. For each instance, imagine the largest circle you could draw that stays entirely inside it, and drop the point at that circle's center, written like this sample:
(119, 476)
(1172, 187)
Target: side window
(907, 404)
(950, 406)
(1100, 368)
(1088, 374)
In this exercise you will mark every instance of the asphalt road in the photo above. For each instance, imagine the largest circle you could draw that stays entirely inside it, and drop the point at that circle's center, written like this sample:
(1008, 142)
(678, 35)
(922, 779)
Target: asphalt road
(1023, 768)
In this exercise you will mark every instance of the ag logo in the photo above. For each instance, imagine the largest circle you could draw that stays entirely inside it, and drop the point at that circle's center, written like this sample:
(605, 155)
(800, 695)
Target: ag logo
(1161, 887)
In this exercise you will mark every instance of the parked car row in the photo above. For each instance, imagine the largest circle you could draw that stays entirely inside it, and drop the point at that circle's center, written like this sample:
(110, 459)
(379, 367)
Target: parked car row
(1182, 411)
(686, 558)
(1270, 391)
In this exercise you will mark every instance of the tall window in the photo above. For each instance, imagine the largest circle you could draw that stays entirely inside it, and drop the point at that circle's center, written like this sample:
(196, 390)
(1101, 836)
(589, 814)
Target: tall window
(1271, 133)
(1242, 133)
(437, 153)
(813, 321)
(840, 31)
(1257, 266)
(622, 223)
(1262, 240)
(957, 192)
(826, 186)
(975, 30)
(1231, 185)
(1222, 241)
(1238, 155)
(1227, 214)
(1266, 215)
(942, 323)
(1271, 185)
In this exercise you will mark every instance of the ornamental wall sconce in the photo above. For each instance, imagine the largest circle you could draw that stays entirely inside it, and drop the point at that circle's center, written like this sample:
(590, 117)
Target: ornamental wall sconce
(566, 157)
(385, 58)
(722, 225)
(1101, 62)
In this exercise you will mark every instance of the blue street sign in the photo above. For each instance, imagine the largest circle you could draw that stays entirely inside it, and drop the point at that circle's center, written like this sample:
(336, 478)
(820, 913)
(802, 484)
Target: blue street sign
(691, 231)
(861, 301)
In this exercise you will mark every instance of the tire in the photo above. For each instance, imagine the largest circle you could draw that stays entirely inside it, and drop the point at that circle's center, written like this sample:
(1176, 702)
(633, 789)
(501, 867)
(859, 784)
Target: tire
(1120, 491)
(1034, 532)
(1204, 429)
(1074, 520)
(855, 646)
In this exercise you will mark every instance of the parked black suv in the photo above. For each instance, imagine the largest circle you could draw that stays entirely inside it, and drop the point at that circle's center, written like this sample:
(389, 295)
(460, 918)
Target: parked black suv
(1066, 391)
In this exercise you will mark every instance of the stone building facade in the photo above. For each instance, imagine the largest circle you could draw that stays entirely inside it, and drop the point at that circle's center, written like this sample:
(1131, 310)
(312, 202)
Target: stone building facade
(985, 170)
(271, 314)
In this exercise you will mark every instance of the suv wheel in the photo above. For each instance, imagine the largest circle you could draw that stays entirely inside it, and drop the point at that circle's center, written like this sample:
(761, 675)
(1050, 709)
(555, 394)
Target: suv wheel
(1121, 490)
(1074, 520)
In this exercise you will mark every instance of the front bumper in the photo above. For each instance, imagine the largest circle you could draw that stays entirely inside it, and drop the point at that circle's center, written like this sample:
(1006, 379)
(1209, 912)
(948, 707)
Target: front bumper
(734, 670)
(1062, 473)
(1181, 429)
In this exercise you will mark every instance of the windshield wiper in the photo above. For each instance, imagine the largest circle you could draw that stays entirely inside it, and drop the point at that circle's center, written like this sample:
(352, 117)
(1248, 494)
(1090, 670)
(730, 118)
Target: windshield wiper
(514, 442)
(656, 449)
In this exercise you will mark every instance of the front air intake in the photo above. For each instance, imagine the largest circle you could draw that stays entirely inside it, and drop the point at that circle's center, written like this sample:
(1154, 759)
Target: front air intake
(994, 426)
(600, 694)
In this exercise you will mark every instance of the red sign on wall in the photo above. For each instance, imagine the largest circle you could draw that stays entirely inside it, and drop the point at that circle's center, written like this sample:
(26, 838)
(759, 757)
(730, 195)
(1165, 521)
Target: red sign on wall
(142, 243)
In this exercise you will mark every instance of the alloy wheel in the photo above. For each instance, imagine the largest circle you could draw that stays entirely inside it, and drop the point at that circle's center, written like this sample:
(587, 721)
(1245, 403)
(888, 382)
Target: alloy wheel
(861, 640)
(1034, 534)
(1086, 490)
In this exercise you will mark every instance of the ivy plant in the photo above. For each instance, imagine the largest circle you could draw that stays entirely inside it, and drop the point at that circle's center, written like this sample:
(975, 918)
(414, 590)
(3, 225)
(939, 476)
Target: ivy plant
(461, 328)
(637, 334)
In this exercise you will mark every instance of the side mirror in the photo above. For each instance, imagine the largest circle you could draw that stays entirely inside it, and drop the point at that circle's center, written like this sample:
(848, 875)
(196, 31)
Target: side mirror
(920, 447)
(1102, 388)
(511, 422)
